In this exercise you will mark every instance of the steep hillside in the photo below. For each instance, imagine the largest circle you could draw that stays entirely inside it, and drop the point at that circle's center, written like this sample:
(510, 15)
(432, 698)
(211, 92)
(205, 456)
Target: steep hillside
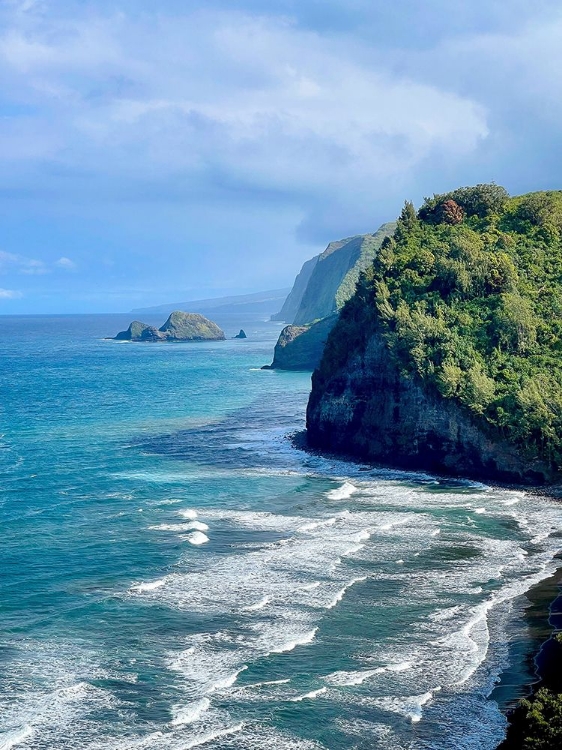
(448, 357)
(334, 276)
(291, 305)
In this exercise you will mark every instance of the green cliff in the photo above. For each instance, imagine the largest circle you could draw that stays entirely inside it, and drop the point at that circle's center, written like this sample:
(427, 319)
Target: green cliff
(447, 358)
(322, 287)
(335, 274)
(293, 302)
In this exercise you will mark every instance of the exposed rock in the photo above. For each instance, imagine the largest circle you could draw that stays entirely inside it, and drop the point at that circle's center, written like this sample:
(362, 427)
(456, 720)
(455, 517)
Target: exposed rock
(301, 347)
(241, 335)
(138, 331)
(182, 326)
(369, 410)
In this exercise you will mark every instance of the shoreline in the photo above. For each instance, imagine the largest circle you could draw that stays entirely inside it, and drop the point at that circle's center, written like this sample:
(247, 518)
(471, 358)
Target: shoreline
(535, 661)
(534, 657)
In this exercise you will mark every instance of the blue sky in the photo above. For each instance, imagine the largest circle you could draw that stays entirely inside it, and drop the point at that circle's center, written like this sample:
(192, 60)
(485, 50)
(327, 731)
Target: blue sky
(153, 152)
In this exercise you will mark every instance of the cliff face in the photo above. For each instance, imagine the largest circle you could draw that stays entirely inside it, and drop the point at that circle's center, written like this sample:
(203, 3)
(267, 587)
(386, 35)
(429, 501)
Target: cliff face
(323, 286)
(301, 347)
(291, 305)
(447, 357)
(335, 274)
(368, 409)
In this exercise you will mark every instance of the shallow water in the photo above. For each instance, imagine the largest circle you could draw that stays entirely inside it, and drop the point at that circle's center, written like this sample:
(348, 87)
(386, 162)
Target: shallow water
(175, 574)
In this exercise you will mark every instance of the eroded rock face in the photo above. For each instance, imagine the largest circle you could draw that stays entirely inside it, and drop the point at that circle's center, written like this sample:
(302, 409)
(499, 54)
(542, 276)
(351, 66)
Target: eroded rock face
(180, 326)
(138, 331)
(369, 410)
(301, 347)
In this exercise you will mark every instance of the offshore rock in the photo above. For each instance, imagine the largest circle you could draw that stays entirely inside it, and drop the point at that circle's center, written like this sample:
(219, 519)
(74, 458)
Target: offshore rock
(138, 331)
(241, 335)
(182, 326)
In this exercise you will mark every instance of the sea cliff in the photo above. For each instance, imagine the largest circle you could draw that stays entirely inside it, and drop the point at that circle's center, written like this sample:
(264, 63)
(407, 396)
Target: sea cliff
(321, 289)
(447, 357)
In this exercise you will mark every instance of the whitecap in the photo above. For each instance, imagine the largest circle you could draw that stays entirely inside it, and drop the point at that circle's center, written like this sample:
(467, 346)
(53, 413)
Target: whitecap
(196, 537)
(298, 641)
(150, 586)
(309, 696)
(345, 679)
(343, 492)
(204, 739)
(190, 713)
(258, 605)
(266, 683)
(341, 593)
(227, 682)
(310, 586)
(15, 737)
(197, 526)
(317, 524)
(188, 513)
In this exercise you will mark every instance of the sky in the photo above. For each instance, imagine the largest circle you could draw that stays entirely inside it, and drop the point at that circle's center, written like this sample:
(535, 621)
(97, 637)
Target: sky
(153, 152)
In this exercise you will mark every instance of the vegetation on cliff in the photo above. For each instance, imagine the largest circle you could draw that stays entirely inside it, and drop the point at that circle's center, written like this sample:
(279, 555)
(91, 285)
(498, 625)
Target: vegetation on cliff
(536, 723)
(468, 297)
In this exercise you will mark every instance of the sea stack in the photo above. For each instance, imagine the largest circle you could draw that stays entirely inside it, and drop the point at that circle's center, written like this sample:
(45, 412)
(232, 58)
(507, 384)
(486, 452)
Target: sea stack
(180, 326)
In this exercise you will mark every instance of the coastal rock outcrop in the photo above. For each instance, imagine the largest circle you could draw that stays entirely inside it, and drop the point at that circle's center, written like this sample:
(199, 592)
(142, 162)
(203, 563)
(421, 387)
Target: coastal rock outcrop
(447, 357)
(138, 331)
(241, 334)
(369, 410)
(180, 326)
(301, 347)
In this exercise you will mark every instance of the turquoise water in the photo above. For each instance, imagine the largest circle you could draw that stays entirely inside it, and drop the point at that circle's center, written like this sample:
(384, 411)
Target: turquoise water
(175, 574)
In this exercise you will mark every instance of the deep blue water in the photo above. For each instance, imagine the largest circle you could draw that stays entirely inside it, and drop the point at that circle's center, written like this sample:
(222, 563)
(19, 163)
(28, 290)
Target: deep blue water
(175, 574)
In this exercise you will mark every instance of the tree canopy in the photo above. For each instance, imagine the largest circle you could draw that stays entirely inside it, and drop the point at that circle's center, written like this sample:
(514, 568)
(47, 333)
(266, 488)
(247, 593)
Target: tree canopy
(468, 295)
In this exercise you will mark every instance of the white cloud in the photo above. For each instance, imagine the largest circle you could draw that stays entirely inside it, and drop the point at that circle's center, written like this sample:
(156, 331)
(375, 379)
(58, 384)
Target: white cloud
(21, 264)
(10, 294)
(254, 101)
(66, 263)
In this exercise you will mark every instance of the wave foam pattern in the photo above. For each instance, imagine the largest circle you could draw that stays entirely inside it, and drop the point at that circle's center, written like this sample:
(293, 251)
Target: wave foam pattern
(279, 592)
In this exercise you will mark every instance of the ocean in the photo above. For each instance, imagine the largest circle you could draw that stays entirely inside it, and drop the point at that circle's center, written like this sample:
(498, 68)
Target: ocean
(176, 574)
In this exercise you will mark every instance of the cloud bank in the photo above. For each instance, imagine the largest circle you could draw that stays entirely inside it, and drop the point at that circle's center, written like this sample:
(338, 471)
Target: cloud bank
(228, 143)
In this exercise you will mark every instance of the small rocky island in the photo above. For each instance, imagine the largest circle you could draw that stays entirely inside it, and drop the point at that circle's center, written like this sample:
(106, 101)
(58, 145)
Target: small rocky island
(180, 326)
(241, 335)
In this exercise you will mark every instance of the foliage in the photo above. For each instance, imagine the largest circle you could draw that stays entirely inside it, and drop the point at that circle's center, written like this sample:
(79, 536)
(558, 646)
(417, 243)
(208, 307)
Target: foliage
(536, 724)
(468, 295)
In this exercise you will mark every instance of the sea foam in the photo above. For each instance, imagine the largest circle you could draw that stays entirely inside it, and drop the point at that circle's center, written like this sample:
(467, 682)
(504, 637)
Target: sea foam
(342, 493)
